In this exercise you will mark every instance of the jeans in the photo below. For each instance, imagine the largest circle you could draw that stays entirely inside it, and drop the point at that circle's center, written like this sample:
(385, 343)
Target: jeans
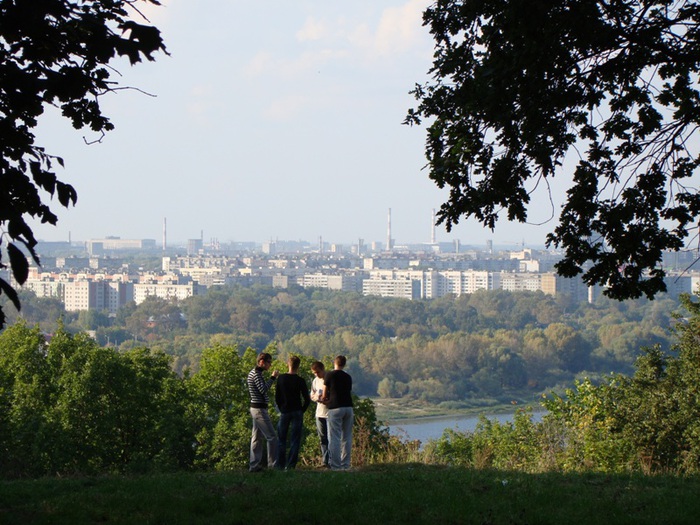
(340, 422)
(263, 430)
(322, 429)
(291, 422)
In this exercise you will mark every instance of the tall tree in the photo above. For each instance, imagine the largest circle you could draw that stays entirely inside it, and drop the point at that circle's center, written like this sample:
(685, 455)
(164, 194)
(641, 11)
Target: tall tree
(519, 84)
(55, 53)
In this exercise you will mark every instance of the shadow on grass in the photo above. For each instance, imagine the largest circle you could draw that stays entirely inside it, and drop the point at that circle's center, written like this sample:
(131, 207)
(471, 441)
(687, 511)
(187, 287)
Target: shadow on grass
(381, 493)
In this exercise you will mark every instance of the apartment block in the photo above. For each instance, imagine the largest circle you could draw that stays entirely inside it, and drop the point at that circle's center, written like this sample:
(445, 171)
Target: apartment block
(433, 284)
(678, 284)
(100, 246)
(466, 282)
(520, 282)
(400, 288)
(164, 291)
(45, 288)
(96, 295)
(344, 282)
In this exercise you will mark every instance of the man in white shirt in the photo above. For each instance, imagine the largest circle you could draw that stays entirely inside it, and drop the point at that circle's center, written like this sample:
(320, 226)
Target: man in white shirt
(319, 372)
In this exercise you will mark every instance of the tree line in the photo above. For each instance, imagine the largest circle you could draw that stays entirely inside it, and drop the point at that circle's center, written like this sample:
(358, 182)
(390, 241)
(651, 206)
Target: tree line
(70, 406)
(484, 348)
(648, 422)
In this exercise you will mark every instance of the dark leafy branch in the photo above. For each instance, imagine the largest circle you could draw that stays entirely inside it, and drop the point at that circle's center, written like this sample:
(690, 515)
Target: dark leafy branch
(55, 53)
(519, 84)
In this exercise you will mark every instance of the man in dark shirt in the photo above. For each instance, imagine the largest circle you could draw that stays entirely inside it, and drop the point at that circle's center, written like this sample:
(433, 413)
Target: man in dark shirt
(292, 398)
(338, 398)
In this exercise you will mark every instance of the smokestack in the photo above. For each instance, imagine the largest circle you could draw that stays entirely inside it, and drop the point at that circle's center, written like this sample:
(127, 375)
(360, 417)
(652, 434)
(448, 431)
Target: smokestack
(432, 227)
(388, 232)
(165, 233)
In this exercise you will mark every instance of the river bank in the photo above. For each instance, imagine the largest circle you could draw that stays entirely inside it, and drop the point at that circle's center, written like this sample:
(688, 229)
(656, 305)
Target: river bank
(394, 411)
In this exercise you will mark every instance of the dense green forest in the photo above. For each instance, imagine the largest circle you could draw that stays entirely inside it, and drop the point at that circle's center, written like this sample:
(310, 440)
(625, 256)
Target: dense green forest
(482, 349)
(70, 406)
(647, 422)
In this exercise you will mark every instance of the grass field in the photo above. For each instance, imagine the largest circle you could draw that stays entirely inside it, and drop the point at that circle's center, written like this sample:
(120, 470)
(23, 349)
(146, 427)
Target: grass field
(381, 494)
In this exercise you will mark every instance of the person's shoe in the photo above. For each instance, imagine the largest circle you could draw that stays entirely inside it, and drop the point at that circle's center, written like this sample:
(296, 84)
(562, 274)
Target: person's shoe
(256, 469)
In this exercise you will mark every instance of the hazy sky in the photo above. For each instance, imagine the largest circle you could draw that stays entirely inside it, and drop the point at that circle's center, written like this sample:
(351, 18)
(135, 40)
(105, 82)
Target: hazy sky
(271, 120)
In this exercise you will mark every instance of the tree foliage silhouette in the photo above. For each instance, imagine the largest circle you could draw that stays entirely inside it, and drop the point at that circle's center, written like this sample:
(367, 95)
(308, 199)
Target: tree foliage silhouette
(517, 85)
(55, 53)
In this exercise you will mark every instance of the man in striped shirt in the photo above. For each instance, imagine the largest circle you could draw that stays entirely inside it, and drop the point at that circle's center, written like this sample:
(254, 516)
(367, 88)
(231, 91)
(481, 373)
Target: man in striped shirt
(263, 429)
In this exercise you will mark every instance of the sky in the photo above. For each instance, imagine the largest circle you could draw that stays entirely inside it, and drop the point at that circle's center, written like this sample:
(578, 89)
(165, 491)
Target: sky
(270, 120)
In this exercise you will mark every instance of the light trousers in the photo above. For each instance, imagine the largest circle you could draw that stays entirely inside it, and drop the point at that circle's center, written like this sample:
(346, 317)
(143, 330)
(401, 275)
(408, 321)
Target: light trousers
(340, 422)
(263, 430)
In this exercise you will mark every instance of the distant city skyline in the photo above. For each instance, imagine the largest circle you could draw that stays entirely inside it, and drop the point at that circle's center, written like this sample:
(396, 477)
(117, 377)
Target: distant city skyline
(269, 120)
(430, 239)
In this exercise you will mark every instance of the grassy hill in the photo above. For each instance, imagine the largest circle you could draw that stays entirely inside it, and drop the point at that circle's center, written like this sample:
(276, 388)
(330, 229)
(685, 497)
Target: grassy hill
(381, 494)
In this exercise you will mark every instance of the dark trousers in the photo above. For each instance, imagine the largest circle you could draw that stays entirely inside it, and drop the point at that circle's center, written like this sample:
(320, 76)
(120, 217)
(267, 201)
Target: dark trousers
(290, 424)
(322, 429)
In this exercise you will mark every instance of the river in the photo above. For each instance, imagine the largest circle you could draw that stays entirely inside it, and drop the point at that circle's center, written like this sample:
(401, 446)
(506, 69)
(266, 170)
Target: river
(432, 428)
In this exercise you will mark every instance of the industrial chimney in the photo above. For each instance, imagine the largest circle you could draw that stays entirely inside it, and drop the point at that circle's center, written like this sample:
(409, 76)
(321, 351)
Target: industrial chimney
(388, 233)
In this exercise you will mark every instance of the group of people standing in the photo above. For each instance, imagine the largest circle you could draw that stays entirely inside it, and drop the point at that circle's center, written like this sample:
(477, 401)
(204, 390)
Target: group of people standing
(332, 392)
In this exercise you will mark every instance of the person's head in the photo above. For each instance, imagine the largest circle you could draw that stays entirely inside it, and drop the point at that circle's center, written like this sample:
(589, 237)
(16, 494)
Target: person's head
(293, 363)
(318, 369)
(339, 362)
(264, 360)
